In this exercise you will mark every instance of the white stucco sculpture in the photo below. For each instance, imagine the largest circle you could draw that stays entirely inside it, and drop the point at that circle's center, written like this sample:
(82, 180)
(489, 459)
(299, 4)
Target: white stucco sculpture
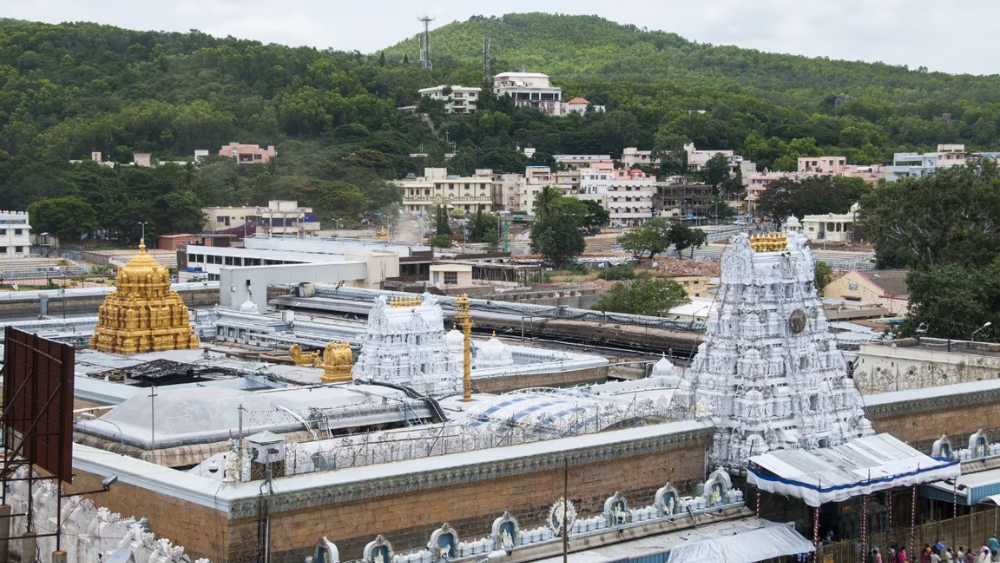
(405, 344)
(493, 354)
(769, 371)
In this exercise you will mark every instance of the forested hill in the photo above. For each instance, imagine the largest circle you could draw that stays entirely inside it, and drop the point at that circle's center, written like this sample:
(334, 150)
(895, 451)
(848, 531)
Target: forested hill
(69, 89)
(595, 49)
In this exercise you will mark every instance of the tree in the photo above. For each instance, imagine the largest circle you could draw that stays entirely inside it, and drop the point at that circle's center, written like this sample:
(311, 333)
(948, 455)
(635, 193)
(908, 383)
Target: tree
(66, 217)
(682, 237)
(716, 170)
(951, 301)
(645, 295)
(545, 201)
(485, 228)
(556, 235)
(652, 238)
(381, 59)
(596, 216)
(824, 275)
(442, 221)
(441, 241)
(668, 149)
(406, 59)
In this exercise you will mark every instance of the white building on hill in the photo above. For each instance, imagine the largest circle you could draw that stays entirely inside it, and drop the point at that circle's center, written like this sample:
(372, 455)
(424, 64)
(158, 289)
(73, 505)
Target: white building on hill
(457, 99)
(531, 89)
(15, 234)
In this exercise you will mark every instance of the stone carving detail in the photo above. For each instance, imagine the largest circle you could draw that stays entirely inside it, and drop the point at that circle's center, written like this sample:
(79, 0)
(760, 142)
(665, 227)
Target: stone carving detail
(667, 501)
(769, 371)
(378, 550)
(505, 532)
(493, 354)
(616, 510)
(88, 534)
(405, 345)
(444, 544)
(561, 515)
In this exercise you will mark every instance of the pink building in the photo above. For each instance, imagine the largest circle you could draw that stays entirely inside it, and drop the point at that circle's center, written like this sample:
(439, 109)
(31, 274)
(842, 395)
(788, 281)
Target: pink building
(248, 154)
(826, 165)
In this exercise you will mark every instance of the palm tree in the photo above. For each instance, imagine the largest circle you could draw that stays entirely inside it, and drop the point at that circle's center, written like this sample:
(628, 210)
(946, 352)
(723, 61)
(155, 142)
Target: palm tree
(545, 202)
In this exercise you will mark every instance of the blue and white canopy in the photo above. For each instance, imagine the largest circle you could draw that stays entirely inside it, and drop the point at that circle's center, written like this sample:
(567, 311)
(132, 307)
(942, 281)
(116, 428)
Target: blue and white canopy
(857, 467)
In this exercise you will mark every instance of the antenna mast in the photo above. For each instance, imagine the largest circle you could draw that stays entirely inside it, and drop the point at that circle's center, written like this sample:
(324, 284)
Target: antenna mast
(486, 61)
(425, 43)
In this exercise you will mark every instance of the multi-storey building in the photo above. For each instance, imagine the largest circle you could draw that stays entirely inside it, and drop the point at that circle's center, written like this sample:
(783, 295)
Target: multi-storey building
(677, 199)
(626, 194)
(457, 99)
(15, 234)
(909, 164)
(248, 154)
(823, 165)
(437, 187)
(696, 159)
(577, 161)
(530, 89)
(278, 217)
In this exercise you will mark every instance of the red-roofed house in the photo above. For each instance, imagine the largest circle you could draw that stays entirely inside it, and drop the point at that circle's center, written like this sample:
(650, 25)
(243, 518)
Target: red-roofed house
(579, 105)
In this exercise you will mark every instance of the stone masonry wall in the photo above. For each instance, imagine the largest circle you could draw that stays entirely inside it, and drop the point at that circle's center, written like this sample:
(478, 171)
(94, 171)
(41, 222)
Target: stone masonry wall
(920, 426)
(408, 520)
(559, 379)
(201, 530)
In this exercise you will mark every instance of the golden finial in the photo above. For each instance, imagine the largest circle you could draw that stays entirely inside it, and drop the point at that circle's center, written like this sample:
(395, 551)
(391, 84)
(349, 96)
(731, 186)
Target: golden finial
(494, 334)
(142, 245)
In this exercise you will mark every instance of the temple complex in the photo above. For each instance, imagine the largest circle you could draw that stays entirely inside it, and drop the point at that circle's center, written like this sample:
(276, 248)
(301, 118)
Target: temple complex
(143, 315)
(769, 372)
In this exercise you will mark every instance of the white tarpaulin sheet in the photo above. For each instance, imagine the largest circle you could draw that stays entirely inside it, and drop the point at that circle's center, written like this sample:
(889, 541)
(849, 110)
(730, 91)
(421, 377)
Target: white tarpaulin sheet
(858, 467)
(775, 540)
(995, 499)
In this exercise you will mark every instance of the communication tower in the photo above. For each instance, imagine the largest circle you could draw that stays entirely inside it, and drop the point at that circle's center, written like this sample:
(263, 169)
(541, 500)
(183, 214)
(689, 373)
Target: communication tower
(425, 43)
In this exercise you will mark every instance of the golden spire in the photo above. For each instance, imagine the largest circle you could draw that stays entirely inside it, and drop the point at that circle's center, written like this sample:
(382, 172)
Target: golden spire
(143, 314)
(337, 362)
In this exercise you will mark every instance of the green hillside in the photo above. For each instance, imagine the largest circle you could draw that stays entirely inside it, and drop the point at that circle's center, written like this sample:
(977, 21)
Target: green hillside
(69, 89)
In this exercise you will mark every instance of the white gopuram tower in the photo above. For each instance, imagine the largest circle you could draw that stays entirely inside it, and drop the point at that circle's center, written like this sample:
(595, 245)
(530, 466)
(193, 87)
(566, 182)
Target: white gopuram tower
(405, 345)
(769, 372)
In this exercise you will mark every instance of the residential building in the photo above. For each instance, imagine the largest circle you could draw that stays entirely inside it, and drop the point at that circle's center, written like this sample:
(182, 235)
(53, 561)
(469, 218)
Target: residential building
(447, 276)
(437, 187)
(507, 191)
(457, 99)
(579, 106)
(697, 159)
(15, 234)
(98, 158)
(577, 161)
(695, 286)
(248, 154)
(884, 287)
(630, 198)
(279, 217)
(872, 173)
(631, 156)
(911, 164)
(677, 199)
(825, 165)
(832, 227)
(530, 89)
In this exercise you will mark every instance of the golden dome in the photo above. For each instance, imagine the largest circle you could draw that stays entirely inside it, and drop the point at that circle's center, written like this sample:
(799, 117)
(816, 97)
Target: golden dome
(143, 314)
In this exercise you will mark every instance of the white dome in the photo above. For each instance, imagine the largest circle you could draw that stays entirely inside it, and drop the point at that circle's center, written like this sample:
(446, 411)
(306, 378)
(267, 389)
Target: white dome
(493, 353)
(793, 222)
(455, 340)
(249, 306)
(662, 368)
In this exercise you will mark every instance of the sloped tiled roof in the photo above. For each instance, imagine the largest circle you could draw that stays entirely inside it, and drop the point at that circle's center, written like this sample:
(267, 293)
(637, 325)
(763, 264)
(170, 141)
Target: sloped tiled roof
(892, 282)
(578, 101)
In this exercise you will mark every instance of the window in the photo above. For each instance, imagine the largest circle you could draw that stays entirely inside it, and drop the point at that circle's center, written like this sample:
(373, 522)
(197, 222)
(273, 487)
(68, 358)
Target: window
(18, 249)
(229, 260)
(18, 231)
(3, 231)
(451, 278)
(257, 157)
(220, 219)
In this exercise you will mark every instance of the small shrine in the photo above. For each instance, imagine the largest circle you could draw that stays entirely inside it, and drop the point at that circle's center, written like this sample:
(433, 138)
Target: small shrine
(493, 354)
(143, 314)
(337, 362)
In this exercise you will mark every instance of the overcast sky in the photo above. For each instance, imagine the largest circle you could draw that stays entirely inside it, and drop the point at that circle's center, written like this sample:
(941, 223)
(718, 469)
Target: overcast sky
(939, 35)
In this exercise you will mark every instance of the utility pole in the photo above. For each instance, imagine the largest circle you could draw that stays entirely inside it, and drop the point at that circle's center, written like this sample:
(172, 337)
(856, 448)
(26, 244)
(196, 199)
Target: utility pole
(143, 225)
(425, 43)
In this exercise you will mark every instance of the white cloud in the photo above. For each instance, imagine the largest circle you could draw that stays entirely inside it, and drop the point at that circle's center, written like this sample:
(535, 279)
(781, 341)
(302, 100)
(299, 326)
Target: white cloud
(916, 32)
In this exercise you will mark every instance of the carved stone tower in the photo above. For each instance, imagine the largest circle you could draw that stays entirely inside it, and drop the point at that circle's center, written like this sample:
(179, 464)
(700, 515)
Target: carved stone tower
(769, 371)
